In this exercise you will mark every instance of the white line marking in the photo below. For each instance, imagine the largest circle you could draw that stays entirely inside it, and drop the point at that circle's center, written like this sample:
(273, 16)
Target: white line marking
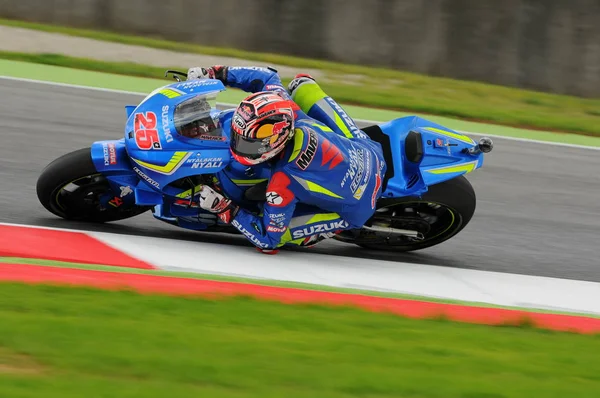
(68, 85)
(116, 91)
(475, 286)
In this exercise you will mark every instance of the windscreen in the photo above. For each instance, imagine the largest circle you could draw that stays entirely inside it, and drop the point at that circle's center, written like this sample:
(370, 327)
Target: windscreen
(193, 119)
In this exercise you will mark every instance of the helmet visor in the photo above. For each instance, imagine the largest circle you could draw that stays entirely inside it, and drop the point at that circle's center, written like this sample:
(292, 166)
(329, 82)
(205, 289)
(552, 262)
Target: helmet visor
(251, 148)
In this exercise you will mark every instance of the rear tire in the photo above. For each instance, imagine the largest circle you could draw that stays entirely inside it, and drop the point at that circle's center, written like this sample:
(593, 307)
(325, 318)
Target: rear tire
(451, 204)
(76, 171)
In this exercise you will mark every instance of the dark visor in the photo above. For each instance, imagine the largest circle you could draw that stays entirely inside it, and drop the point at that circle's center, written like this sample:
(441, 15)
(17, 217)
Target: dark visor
(252, 148)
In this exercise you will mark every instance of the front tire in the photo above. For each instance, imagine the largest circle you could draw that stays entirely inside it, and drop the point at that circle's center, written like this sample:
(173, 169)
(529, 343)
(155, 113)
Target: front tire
(70, 188)
(440, 214)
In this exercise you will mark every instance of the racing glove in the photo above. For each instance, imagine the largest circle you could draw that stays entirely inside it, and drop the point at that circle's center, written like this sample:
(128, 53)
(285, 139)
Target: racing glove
(214, 202)
(214, 72)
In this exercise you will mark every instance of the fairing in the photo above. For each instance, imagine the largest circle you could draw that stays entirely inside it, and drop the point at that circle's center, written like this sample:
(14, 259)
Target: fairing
(445, 156)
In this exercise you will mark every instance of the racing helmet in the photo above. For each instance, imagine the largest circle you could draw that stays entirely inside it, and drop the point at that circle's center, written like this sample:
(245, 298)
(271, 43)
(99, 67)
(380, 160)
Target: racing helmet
(260, 127)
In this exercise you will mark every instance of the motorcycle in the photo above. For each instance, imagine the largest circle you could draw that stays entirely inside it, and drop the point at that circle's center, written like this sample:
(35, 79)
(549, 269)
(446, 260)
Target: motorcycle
(176, 139)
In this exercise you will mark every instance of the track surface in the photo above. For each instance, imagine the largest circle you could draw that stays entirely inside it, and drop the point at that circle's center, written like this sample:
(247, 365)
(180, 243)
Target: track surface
(538, 205)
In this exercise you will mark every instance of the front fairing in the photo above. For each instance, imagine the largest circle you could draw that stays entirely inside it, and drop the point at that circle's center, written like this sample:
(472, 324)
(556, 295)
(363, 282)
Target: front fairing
(159, 153)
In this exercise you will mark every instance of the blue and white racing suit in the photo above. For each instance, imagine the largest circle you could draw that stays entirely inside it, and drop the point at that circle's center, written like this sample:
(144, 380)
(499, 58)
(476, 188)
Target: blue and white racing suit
(327, 179)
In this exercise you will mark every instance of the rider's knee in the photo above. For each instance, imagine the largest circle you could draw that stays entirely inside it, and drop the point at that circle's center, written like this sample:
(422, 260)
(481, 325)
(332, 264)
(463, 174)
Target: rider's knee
(305, 92)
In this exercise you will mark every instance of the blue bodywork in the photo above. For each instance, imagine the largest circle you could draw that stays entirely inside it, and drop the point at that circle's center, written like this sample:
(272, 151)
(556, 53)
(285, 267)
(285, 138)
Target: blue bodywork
(151, 174)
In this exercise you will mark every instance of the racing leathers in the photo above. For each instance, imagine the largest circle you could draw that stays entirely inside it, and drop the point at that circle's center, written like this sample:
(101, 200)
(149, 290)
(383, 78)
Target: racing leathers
(327, 179)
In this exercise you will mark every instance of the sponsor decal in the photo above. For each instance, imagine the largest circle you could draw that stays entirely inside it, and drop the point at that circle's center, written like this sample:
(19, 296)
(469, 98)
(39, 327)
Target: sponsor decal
(115, 202)
(239, 122)
(359, 192)
(202, 163)
(246, 111)
(280, 126)
(319, 228)
(165, 123)
(146, 135)
(356, 166)
(191, 84)
(359, 171)
(274, 199)
(211, 138)
(365, 180)
(146, 178)
(278, 89)
(126, 190)
(112, 153)
(258, 68)
(272, 228)
(277, 219)
(330, 153)
(377, 184)
(105, 152)
(347, 120)
(249, 234)
(439, 143)
(360, 134)
(308, 154)
(257, 227)
(295, 83)
(206, 165)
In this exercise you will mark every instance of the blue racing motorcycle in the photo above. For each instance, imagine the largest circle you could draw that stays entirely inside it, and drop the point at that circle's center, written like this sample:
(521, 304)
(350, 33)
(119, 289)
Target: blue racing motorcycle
(176, 140)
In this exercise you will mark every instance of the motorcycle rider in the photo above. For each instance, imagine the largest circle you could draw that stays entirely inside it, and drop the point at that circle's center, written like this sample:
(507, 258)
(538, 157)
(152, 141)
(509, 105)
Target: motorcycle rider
(326, 174)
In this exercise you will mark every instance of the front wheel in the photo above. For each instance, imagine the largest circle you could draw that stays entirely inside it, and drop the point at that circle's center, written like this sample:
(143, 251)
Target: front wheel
(71, 188)
(441, 213)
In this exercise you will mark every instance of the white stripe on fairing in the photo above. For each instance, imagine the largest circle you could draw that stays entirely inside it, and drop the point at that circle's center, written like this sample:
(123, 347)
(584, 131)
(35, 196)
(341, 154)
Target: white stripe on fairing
(109, 90)
(346, 272)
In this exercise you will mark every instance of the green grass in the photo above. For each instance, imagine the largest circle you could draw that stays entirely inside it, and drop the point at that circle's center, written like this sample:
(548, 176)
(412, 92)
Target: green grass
(377, 87)
(121, 68)
(71, 343)
(270, 282)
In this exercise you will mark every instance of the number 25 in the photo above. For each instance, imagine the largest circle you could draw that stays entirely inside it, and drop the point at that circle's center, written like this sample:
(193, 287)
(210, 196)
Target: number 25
(146, 135)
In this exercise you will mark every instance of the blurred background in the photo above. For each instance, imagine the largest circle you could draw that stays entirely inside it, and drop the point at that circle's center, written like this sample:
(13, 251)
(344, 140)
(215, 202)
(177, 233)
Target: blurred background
(526, 72)
(548, 45)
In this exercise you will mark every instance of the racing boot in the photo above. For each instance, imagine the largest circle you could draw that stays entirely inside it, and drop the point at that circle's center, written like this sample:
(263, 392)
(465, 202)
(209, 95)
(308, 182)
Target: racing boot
(313, 240)
(299, 79)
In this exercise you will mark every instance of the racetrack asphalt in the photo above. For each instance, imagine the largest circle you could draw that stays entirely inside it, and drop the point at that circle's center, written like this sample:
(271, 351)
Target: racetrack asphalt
(538, 210)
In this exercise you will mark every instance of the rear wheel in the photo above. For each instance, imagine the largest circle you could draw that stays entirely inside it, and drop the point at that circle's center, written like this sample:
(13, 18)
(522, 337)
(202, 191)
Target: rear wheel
(441, 213)
(71, 188)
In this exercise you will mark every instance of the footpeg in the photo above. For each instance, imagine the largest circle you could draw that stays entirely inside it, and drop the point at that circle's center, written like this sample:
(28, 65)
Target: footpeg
(395, 231)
